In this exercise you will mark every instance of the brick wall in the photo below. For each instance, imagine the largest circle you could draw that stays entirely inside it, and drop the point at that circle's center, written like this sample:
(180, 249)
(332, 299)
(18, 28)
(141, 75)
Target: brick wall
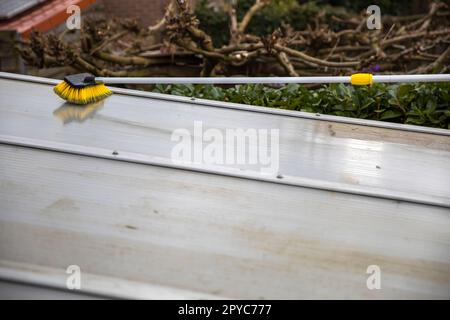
(147, 11)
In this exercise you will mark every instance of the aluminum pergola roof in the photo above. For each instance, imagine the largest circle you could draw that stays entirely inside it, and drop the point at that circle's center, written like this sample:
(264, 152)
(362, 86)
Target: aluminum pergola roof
(99, 189)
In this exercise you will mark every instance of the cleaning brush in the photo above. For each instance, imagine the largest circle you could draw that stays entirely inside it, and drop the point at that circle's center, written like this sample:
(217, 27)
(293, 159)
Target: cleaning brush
(85, 88)
(82, 88)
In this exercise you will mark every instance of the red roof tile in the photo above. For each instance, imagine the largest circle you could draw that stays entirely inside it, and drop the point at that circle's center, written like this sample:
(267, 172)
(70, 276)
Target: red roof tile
(43, 17)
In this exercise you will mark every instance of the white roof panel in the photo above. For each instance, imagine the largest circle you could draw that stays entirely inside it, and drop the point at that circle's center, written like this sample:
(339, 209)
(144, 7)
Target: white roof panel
(140, 226)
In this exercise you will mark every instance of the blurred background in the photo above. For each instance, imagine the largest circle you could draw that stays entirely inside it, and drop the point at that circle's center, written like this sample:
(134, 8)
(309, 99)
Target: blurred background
(155, 37)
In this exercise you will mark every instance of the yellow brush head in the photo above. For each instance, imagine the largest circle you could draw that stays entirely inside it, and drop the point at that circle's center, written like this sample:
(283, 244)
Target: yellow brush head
(84, 95)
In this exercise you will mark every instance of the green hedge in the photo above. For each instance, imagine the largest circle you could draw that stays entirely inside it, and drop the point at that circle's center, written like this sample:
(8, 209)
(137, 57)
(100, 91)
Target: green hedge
(419, 104)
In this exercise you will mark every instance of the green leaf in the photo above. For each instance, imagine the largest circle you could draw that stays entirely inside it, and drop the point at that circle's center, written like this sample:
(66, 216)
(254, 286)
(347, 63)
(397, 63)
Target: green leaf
(403, 90)
(390, 114)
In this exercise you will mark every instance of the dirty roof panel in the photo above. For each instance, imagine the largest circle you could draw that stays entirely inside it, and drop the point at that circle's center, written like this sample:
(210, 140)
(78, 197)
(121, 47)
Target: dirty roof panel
(212, 235)
(398, 164)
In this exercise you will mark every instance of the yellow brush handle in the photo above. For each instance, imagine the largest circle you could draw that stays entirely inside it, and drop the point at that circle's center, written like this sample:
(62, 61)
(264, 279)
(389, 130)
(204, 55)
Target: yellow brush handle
(361, 79)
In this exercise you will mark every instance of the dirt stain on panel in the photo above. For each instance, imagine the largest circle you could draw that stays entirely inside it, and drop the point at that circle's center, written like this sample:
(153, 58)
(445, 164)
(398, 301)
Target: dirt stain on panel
(61, 205)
